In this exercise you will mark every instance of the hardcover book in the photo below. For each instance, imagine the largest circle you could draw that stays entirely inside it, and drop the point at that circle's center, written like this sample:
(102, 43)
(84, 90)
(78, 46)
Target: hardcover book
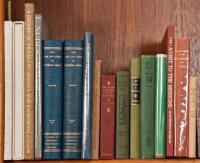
(73, 91)
(107, 126)
(52, 80)
(96, 109)
(168, 47)
(87, 96)
(147, 112)
(160, 105)
(8, 60)
(29, 59)
(38, 87)
(122, 116)
(181, 92)
(18, 91)
(135, 108)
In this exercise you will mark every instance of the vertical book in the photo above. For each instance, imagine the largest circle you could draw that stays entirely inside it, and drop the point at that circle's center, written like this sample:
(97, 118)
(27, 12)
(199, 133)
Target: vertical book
(73, 90)
(181, 99)
(107, 123)
(87, 96)
(122, 115)
(160, 105)
(147, 112)
(52, 80)
(135, 108)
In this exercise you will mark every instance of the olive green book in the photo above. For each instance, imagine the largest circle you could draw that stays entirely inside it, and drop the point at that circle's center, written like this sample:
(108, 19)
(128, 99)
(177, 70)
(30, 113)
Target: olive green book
(160, 105)
(122, 115)
(135, 108)
(147, 102)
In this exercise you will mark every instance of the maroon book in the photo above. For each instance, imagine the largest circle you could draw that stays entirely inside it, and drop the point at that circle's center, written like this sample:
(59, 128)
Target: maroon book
(168, 48)
(107, 127)
(181, 93)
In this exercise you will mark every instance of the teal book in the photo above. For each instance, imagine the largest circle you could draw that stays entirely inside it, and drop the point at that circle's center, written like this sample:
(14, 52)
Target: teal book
(122, 115)
(160, 105)
(147, 111)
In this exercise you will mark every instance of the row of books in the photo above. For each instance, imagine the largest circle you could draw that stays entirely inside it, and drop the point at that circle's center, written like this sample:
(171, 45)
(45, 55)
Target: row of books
(58, 104)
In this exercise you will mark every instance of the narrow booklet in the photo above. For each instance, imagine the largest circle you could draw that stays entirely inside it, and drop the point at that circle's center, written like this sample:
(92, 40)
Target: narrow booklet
(160, 105)
(73, 92)
(122, 116)
(8, 60)
(147, 112)
(29, 94)
(52, 79)
(38, 87)
(18, 91)
(107, 123)
(96, 92)
(87, 96)
(181, 99)
(135, 108)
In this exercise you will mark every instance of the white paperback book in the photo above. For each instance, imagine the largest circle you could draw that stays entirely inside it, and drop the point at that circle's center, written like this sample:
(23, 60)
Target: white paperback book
(8, 38)
(18, 90)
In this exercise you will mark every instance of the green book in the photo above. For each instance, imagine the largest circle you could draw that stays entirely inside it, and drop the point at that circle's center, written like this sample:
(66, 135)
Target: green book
(160, 105)
(135, 108)
(147, 101)
(122, 115)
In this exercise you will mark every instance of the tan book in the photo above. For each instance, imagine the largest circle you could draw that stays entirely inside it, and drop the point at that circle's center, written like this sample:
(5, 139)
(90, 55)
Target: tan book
(96, 109)
(29, 81)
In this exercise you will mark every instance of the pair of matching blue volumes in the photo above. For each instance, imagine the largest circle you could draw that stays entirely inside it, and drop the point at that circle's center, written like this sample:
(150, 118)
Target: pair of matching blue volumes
(67, 88)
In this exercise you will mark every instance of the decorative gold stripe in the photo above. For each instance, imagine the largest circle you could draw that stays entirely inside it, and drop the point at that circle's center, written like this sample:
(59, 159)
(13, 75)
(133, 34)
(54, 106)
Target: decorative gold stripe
(52, 150)
(73, 48)
(52, 133)
(71, 150)
(52, 48)
(72, 133)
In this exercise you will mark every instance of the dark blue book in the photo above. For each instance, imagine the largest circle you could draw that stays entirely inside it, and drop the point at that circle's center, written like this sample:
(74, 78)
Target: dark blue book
(87, 95)
(52, 75)
(73, 93)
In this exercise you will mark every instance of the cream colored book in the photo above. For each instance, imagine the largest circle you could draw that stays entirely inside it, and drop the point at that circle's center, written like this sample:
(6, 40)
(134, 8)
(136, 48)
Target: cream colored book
(18, 90)
(8, 34)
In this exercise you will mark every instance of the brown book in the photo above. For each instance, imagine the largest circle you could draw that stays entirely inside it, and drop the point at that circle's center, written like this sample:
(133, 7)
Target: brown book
(96, 109)
(181, 99)
(29, 82)
(107, 129)
(168, 48)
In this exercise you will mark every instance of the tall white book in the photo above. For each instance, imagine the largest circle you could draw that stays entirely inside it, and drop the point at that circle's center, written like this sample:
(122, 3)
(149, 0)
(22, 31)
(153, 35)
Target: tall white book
(8, 46)
(18, 90)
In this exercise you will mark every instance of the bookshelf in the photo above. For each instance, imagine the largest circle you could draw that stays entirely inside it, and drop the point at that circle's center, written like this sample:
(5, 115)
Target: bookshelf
(122, 29)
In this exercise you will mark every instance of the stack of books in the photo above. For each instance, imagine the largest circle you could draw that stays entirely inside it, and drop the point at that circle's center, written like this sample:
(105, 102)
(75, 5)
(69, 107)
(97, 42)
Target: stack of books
(58, 104)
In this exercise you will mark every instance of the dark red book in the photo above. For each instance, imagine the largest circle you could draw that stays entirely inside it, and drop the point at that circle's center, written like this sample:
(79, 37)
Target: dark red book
(181, 99)
(168, 48)
(107, 127)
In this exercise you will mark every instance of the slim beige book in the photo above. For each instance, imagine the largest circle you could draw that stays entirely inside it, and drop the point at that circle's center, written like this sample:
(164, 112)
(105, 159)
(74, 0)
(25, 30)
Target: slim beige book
(192, 116)
(96, 109)
(29, 81)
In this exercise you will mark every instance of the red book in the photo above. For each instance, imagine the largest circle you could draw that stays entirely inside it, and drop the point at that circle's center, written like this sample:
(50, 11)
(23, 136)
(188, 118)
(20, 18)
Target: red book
(181, 99)
(107, 127)
(168, 47)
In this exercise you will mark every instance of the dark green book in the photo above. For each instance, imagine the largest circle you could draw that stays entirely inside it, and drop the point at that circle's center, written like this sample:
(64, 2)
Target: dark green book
(135, 108)
(122, 115)
(147, 101)
(160, 105)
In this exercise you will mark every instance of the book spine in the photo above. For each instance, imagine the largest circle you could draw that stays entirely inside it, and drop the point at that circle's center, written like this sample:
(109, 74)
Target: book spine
(160, 105)
(96, 109)
(8, 46)
(52, 74)
(181, 92)
(122, 116)
(135, 108)
(87, 95)
(72, 112)
(170, 91)
(38, 87)
(147, 112)
(107, 122)
(18, 91)
(29, 82)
